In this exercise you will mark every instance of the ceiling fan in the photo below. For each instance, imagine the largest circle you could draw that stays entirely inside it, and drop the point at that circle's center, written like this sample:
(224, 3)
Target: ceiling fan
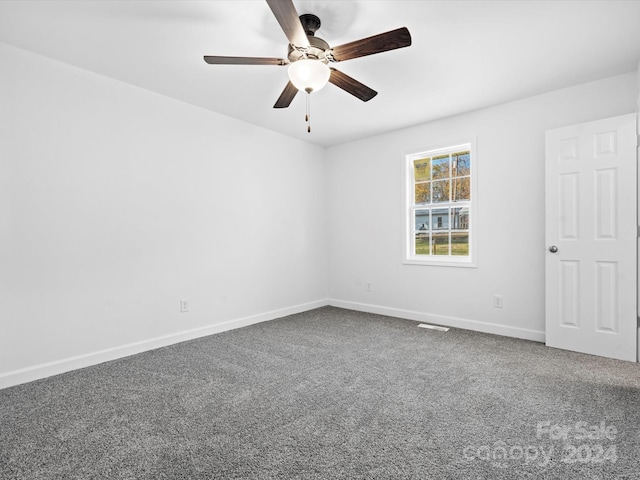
(309, 56)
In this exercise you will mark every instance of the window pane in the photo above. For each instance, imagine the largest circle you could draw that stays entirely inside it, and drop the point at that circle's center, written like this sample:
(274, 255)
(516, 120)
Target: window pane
(422, 243)
(461, 164)
(422, 220)
(440, 219)
(423, 192)
(441, 191)
(460, 218)
(440, 166)
(422, 169)
(461, 189)
(460, 243)
(440, 243)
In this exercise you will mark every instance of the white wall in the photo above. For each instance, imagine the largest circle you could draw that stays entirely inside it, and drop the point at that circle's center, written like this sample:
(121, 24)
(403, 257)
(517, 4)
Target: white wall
(116, 202)
(365, 185)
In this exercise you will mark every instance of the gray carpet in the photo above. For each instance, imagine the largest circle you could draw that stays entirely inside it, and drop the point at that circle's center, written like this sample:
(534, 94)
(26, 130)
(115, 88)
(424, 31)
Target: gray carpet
(330, 394)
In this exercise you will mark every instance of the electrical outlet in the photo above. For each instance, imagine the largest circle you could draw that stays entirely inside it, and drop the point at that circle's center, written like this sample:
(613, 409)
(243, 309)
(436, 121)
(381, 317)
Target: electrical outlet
(368, 287)
(184, 305)
(498, 302)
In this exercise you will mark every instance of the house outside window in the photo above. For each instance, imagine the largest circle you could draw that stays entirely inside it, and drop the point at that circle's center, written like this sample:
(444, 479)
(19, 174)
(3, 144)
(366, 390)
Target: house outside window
(439, 206)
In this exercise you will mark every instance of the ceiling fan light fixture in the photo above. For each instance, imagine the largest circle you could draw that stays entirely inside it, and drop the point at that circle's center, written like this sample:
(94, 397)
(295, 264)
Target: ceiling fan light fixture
(309, 75)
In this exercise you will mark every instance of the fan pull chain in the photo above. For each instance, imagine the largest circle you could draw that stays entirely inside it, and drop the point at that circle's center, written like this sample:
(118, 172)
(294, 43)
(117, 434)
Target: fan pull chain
(307, 117)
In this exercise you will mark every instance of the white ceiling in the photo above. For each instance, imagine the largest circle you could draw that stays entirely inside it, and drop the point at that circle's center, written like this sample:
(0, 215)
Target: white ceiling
(465, 55)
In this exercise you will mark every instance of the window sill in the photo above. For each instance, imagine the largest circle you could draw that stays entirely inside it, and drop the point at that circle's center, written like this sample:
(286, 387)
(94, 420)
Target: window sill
(444, 262)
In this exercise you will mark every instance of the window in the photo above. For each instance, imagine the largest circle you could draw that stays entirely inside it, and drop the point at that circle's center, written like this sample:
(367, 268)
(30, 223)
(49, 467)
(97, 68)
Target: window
(439, 208)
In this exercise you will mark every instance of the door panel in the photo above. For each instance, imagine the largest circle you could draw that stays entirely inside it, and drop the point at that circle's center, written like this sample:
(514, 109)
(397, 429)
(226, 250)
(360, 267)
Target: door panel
(569, 293)
(591, 235)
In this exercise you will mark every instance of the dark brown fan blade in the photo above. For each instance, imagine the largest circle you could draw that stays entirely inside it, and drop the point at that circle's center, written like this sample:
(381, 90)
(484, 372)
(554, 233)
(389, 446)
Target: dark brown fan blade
(217, 60)
(287, 17)
(286, 96)
(351, 85)
(368, 46)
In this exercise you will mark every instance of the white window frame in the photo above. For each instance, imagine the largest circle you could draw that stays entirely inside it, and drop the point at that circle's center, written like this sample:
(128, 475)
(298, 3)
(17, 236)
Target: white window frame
(409, 257)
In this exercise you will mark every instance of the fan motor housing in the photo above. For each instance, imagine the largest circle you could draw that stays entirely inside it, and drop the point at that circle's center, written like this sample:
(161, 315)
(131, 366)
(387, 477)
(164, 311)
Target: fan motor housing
(317, 46)
(316, 50)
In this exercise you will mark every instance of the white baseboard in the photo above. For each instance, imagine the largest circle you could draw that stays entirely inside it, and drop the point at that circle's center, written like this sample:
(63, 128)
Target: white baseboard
(44, 370)
(493, 328)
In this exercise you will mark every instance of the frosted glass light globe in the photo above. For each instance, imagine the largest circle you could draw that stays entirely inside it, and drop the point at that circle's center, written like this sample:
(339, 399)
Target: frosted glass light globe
(309, 75)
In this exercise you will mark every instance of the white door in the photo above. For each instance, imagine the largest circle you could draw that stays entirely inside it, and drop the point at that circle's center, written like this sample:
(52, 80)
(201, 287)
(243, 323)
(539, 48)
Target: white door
(591, 232)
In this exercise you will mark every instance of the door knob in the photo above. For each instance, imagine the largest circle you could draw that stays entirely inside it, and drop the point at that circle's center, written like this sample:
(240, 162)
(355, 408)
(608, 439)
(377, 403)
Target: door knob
(553, 249)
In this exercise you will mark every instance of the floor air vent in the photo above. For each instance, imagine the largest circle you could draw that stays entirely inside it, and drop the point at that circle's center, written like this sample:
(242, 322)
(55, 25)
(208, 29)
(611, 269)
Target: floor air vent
(434, 327)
